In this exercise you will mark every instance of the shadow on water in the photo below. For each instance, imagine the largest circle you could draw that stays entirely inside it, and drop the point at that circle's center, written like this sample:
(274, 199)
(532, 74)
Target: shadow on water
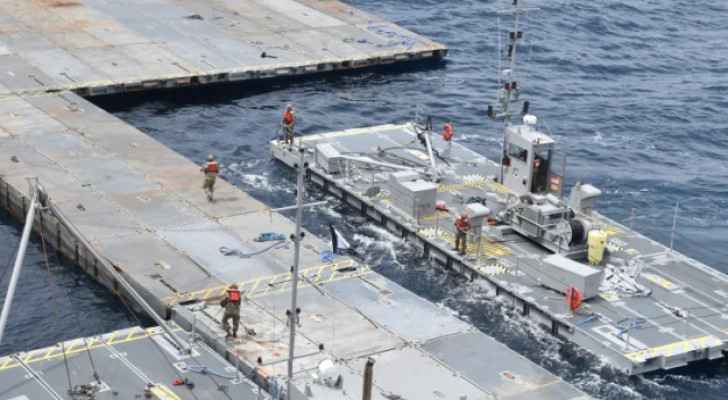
(224, 92)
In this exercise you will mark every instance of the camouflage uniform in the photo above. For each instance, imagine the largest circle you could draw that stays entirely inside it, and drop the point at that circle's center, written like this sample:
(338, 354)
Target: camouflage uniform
(211, 170)
(232, 311)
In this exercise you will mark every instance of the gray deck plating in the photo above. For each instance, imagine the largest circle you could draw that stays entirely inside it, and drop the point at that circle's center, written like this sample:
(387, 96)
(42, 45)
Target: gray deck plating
(141, 206)
(126, 361)
(664, 340)
(109, 46)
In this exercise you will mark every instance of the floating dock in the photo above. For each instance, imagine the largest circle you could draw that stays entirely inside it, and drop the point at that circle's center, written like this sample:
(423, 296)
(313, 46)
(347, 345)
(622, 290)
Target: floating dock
(124, 202)
(131, 204)
(126, 364)
(97, 47)
(683, 319)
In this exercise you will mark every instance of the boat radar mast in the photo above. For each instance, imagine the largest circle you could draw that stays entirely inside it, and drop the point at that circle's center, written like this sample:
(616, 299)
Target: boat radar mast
(536, 208)
(509, 87)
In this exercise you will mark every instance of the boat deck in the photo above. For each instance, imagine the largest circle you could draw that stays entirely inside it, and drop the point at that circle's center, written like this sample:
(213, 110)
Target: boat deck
(683, 320)
(126, 361)
(97, 47)
(141, 207)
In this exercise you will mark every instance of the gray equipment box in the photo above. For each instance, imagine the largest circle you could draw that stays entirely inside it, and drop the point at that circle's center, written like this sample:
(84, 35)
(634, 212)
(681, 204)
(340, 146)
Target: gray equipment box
(477, 214)
(396, 178)
(559, 273)
(414, 198)
(328, 158)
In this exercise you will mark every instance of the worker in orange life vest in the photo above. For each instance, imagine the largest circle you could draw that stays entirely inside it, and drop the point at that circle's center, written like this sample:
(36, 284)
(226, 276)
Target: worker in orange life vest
(231, 304)
(211, 169)
(288, 123)
(462, 226)
(447, 133)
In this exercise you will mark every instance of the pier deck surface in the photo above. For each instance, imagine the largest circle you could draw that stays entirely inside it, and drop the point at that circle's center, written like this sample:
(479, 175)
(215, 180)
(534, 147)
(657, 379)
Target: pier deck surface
(126, 361)
(683, 319)
(141, 206)
(111, 46)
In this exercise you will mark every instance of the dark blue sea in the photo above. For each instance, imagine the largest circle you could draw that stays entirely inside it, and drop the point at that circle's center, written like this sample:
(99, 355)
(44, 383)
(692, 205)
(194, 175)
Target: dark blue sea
(635, 92)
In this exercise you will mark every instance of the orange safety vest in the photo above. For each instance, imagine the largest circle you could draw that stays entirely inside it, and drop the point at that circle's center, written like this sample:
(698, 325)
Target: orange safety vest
(462, 223)
(288, 118)
(234, 295)
(447, 132)
(212, 167)
(573, 298)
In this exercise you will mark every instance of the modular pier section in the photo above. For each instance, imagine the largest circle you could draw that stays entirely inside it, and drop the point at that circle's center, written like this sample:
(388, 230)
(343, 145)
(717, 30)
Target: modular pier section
(99, 47)
(684, 319)
(125, 362)
(125, 201)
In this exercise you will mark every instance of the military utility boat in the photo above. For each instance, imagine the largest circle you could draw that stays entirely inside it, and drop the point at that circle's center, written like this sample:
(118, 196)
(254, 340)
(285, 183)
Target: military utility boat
(545, 248)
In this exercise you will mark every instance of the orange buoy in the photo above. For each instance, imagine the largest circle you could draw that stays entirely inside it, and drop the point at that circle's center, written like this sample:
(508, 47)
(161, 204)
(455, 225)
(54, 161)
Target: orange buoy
(573, 298)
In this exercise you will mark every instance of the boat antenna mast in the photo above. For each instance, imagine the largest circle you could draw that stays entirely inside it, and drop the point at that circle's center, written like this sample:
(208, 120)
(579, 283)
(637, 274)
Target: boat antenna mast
(509, 87)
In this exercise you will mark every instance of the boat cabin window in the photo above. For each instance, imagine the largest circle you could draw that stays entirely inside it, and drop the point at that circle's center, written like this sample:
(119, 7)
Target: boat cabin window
(518, 152)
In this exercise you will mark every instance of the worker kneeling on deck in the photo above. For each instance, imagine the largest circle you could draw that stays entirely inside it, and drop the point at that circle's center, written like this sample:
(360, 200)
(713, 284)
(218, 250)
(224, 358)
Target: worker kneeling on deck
(462, 226)
(288, 123)
(231, 304)
(211, 170)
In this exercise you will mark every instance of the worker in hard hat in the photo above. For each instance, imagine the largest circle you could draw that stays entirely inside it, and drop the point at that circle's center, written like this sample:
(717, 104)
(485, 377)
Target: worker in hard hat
(447, 134)
(231, 304)
(211, 170)
(288, 123)
(462, 226)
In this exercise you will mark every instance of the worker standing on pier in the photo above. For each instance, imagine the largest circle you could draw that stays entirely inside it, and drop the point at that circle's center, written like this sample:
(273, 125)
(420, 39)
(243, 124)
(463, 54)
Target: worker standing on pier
(211, 170)
(288, 123)
(462, 226)
(231, 304)
(447, 133)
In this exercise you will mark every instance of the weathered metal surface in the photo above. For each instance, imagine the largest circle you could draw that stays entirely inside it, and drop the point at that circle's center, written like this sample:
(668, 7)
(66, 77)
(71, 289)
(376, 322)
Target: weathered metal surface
(141, 206)
(99, 46)
(684, 319)
(126, 361)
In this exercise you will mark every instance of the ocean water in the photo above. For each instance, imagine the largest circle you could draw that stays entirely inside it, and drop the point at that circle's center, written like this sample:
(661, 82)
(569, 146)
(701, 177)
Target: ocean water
(635, 92)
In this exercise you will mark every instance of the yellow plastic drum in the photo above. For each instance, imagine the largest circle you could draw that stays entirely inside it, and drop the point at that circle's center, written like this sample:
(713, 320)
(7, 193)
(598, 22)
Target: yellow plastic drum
(597, 242)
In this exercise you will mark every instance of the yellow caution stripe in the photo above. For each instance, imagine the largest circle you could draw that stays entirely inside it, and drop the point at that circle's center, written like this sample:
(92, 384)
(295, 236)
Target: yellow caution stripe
(320, 274)
(610, 296)
(660, 281)
(488, 248)
(673, 349)
(161, 392)
(78, 346)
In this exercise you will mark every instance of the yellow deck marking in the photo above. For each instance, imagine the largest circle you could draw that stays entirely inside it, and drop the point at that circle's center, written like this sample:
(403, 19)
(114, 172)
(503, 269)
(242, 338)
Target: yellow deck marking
(255, 285)
(54, 352)
(443, 215)
(6, 362)
(498, 188)
(162, 392)
(675, 348)
(487, 248)
(660, 281)
(112, 337)
(610, 296)
(49, 352)
(274, 283)
(493, 270)
(612, 230)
